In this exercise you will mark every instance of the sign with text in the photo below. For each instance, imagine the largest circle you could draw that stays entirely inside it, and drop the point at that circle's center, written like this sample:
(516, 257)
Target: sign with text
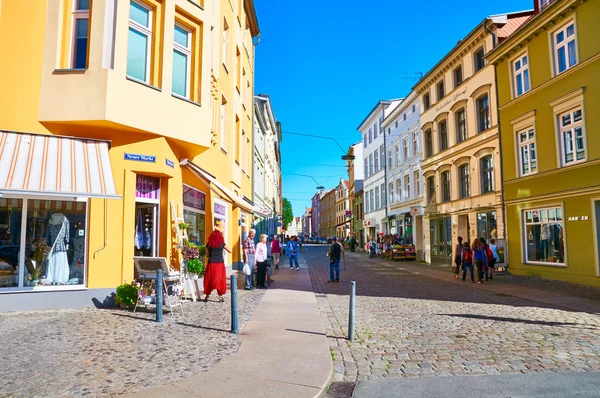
(220, 209)
(170, 163)
(147, 187)
(194, 199)
(139, 158)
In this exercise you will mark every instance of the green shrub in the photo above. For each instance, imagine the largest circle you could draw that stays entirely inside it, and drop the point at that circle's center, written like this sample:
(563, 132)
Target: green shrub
(127, 294)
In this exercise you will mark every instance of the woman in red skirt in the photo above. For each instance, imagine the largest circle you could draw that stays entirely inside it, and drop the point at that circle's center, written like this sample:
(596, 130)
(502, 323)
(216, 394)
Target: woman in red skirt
(214, 275)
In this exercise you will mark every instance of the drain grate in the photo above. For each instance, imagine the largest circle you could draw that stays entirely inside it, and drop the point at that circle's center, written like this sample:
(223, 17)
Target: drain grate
(341, 389)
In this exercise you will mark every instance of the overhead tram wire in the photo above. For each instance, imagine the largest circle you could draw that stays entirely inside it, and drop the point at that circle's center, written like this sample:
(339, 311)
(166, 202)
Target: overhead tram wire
(321, 137)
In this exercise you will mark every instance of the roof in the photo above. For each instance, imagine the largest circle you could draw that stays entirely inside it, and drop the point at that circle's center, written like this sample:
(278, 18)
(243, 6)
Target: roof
(379, 103)
(511, 26)
(347, 183)
(252, 18)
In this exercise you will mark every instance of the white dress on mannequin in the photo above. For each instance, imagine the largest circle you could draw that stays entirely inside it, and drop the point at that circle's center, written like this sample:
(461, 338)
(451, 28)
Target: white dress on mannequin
(57, 270)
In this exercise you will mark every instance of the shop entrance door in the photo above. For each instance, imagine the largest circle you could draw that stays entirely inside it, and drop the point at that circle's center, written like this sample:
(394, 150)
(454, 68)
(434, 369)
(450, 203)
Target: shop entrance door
(146, 230)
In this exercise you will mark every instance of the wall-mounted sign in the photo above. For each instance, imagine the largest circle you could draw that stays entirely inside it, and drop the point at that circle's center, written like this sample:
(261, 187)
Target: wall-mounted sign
(147, 187)
(220, 209)
(194, 198)
(579, 218)
(366, 223)
(139, 158)
(170, 163)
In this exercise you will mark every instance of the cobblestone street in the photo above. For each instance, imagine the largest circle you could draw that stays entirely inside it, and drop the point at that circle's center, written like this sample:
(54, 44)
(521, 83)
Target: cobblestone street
(104, 352)
(408, 325)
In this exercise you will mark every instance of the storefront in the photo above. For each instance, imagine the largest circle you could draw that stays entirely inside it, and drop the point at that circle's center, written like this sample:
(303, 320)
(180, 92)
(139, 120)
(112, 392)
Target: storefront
(440, 230)
(194, 214)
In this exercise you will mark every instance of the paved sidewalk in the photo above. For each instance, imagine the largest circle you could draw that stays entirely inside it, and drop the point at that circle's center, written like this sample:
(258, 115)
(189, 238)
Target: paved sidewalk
(529, 293)
(283, 353)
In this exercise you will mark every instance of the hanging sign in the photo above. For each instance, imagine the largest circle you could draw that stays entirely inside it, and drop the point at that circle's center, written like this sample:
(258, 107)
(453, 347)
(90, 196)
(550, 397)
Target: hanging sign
(139, 158)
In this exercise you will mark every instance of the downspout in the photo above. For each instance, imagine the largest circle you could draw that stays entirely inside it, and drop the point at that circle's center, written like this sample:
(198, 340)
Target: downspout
(500, 152)
(385, 183)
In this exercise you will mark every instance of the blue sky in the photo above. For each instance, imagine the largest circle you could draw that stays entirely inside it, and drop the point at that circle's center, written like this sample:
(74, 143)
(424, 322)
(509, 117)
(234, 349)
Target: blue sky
(326, 65)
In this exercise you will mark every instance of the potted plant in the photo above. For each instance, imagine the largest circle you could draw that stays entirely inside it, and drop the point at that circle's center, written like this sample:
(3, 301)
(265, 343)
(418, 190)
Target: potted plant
(192, 254)
(127, 295)
(195, 267)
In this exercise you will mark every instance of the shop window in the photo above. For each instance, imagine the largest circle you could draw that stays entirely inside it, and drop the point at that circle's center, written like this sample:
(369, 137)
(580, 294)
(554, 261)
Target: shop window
(80, 39)
(527, 154)
(464, 181)
(445, 186)
(520, 70)
(572, 137)
(182, 55)
(544, 235)
(458, 76)
(461, 125)
(483, 113)
(443, 131)
(487, 225)
(11, 211)
(487, 174)
(564, 46)
(139, 46)
(194, 214)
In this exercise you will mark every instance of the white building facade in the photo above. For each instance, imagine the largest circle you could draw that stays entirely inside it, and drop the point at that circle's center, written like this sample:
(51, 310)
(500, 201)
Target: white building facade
(405, 199)
(375, 218)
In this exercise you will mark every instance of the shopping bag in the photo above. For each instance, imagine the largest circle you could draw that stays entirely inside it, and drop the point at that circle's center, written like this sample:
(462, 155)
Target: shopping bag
(246, 269)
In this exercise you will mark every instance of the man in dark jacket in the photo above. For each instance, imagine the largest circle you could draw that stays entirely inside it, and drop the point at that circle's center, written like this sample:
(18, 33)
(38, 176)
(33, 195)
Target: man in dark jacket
(335, 255)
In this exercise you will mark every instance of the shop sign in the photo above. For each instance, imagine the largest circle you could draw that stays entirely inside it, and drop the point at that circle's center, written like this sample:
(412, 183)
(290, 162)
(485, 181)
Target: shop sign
(194, 198)
(579, 218)
(366, 223)
(220, 209)
(348, 213)
(139, 158)
(170, 163)
(147, 187)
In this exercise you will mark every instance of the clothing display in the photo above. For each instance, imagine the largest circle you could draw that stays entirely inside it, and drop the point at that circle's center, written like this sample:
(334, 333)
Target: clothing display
(57, 270)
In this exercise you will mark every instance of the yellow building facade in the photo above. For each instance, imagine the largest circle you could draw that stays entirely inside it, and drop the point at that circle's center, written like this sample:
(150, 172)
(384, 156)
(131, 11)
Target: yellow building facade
(548, 73)
(123, 111)
(461, 151)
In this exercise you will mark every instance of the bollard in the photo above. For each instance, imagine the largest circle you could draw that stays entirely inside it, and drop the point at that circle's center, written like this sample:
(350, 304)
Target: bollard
(234, 305)
(159, 295)
(352, 312)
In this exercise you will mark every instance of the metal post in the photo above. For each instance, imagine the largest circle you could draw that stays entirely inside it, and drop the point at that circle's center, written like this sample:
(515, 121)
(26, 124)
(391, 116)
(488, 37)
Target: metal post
(352, 312)
(159, 295)
(234, 305)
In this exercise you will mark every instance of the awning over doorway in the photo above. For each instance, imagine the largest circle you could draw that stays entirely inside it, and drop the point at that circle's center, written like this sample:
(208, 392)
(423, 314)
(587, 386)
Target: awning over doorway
(218, 187)
(38, 164)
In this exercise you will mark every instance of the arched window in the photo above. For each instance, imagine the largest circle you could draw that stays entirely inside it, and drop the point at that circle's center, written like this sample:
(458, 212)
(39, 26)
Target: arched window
(428, 143)
(445, 186)
(487, 174)
(443, 131)
(483, 113)
(461, 125)
(464, 181)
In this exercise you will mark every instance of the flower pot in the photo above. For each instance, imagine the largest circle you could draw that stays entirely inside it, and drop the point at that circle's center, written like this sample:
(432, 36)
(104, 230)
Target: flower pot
(194, 276)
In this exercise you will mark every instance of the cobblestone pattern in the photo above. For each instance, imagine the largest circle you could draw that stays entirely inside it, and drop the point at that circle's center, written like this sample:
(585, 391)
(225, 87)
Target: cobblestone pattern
(412, 326)
(106, 352)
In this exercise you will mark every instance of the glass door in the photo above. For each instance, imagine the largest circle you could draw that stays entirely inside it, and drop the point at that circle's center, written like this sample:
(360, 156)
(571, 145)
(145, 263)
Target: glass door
(146, 230)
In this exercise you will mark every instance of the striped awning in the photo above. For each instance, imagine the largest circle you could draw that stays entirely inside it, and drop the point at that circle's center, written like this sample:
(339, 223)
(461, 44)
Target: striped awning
(37, 164)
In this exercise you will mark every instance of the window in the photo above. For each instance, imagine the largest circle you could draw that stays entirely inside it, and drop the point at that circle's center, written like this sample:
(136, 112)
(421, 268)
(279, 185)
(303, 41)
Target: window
(372, 201)
(428, 143)
(431, 189)
(396, 124)
(461, 125)
(139, 42)
(405, 149)
(478, 59)
(182, 54)
(544, 234)
(366, 168)
(443, 130)
(404, 116)
(238, 140)
(383, 195)
(440, 90)
(367, 202)
(487, 174)
(365, 140)
(382, 157)
(371, 164)
(521, 75)
(414, 108)
(572, 137)
(375, 131)
(79, 44)
(445, 186)
(415, 143)
(194, 214)
(483, 114)
(391, 192)
(225, 49)
(376, 161)
(544, 3)
(458, 76)
(224, 124)
(527, 156)
(407, 186)
(564, 45)
(370, 136)
(397, 153)
(238, 68)
(417, 179)
(464, 183)
(376, 197)
(389, 159)
(426, 101)
(399, 189)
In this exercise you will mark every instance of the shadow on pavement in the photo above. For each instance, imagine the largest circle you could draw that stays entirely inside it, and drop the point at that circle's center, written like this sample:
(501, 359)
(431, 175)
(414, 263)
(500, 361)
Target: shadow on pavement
(320, 334)
(517, 320)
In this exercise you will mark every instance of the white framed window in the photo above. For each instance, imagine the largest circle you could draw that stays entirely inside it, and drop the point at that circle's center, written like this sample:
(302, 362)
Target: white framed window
(527, 154)
(417, 179)
(399, 189)
(370, 136)
(80, 34)
(415, 143)
(544, 235)
(182, 61)
(382, 158)
(225, 49)
(397, 153)
(564, 47)
(376, 160)
(139, 41)
(520, 72)
(383, 196)
(367, 208)
(405, 149)
(407, 186)
(371, 164)
(572, 136)
(390, 159)
(376, 197)
(391, 192)
(224, 124)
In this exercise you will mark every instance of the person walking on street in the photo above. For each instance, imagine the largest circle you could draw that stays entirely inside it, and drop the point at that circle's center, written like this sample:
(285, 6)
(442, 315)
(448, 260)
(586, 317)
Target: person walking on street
(335, 255)
(458, 257)
(249, 251)
(467, 261)
(495, 257)
(480, 257)
(292, 251)
(489, 261)
(261, 262)
(352, 244)
(215, 276)
(276, 250)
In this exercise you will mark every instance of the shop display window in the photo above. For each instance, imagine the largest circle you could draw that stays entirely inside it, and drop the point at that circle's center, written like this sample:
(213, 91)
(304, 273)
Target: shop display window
(195, 226)
(11, 211)
(544, 235)
(487, 225)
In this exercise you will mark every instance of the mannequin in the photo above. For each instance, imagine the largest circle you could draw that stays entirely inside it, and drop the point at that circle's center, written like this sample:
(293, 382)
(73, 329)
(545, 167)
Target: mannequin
(57, 270)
